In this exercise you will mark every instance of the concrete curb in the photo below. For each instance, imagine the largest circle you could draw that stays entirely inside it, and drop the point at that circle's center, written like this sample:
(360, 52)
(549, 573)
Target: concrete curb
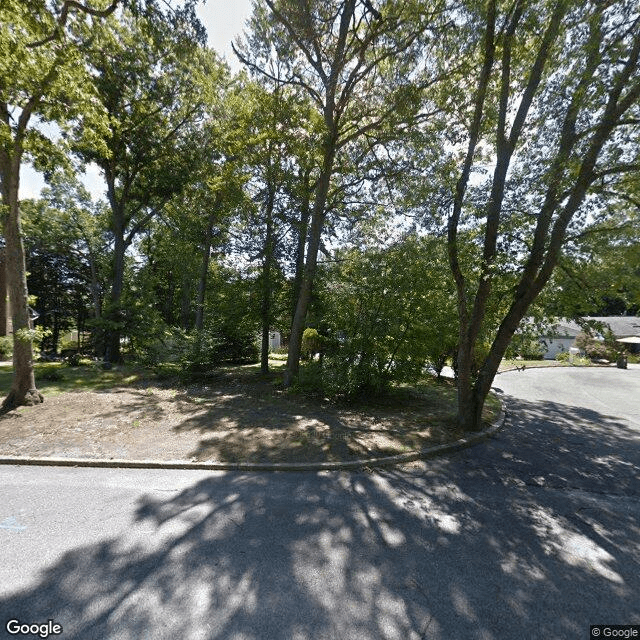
(351, 465)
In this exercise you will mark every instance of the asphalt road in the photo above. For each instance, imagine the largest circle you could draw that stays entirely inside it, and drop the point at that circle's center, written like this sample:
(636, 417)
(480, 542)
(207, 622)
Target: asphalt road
(532, 535)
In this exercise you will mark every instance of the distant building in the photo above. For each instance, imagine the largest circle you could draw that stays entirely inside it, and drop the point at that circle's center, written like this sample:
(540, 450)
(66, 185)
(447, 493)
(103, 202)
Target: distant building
(559, 337)
(274, 340)
(562, 335)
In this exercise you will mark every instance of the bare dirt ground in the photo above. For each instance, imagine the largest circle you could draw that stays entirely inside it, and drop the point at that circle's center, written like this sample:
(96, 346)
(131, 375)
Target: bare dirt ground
(226, 420)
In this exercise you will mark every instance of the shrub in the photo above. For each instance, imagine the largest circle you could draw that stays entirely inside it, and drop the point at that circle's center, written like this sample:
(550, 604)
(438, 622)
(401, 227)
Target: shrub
(525, 346)
(563, 356)
(6, 347)
(51, 374)
(312, 343)
(65, 344)
(593, 348)
(347, 375)
(169, 345)
(74, 359)
(211, 348)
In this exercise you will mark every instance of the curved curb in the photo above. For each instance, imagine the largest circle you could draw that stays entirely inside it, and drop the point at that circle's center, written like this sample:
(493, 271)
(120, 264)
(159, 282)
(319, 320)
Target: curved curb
(351, 465)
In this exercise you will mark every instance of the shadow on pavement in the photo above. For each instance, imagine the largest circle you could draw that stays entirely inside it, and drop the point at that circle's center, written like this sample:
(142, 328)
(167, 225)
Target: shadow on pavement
(512, 539)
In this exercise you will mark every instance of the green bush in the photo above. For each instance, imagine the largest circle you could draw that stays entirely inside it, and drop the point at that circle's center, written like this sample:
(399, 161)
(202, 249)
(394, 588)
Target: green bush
(526, 347)
(280, 351)
(74, 360)
(64, 344)
(563, 356)
(169, 345)
(346, 374)
(312, 343)
(6, 347)
(50, 374)
(211, 348)
(389, 312)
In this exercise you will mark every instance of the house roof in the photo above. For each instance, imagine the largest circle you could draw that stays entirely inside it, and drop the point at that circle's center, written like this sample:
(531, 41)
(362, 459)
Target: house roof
(621, 326)
(562, 328)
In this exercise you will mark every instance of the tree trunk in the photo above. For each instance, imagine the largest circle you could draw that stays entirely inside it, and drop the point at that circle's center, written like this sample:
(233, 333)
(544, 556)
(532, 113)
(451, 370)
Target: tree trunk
(204, 272)
(185, 310)
(55, 335)
(315, 234)
(23, 388)
(266, 280)
(95, 287)
(4, 317)
(112, 353)
(303, 225)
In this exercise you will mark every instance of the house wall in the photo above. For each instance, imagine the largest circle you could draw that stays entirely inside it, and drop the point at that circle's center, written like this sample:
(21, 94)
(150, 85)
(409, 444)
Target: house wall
(554, 346)
(274, 340)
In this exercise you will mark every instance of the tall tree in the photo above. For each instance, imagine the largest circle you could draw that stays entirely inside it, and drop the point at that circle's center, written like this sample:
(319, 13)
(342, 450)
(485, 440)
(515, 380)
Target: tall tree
(337, 50)
(554, 115)
(153, 76)
(43, 77)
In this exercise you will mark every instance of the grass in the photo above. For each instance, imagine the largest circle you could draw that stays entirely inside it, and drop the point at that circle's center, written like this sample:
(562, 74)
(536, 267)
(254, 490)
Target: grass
(58, 377)
(508, 365)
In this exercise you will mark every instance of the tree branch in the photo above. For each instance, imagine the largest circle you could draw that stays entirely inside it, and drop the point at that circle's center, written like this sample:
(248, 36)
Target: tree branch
(64, 15)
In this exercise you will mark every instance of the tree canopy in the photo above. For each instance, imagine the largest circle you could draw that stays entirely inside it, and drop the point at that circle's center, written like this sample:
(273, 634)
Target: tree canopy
(407, 181)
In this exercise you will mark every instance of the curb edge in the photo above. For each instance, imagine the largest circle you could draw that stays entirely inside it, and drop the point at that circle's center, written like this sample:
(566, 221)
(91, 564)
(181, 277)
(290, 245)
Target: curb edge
(351, 465)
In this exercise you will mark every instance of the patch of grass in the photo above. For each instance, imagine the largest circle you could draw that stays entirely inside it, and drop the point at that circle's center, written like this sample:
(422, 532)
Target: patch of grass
(57, 377)
(510, 365)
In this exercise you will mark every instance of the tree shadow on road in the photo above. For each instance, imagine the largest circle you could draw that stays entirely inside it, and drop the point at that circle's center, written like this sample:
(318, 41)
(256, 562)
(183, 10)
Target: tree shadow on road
(470, 547)
(563, 447)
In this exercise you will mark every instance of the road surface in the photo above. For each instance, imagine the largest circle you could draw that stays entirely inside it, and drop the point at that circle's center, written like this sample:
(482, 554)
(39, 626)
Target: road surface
(532, 535)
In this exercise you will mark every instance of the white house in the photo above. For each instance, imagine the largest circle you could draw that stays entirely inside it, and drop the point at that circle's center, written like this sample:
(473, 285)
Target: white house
(561, 336)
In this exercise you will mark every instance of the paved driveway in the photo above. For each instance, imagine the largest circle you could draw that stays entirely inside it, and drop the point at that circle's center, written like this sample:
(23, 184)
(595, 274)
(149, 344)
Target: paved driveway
(532, 535)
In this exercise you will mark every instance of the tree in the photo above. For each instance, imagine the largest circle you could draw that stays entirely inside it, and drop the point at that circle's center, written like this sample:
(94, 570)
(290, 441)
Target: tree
(64, 247)
(337, 51)
(603, 277)
(42, 76)
(153, 78)
(276, 156)
(554, 115)
(385, 313)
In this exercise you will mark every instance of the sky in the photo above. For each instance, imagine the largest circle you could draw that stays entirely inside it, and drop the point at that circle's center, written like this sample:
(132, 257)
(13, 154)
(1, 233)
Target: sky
(224, 20)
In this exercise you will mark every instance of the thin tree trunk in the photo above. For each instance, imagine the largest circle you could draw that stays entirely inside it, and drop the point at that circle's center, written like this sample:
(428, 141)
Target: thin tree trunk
(23, 388)
(95, 287)
(185, 310)
(315, 234)
(4, 317)
(266, 281)
(204, 269)
(202, 283)
(55, 334)
(303, 226)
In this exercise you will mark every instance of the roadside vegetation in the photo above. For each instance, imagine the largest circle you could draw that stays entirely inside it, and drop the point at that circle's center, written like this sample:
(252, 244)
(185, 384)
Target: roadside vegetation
(387, 188)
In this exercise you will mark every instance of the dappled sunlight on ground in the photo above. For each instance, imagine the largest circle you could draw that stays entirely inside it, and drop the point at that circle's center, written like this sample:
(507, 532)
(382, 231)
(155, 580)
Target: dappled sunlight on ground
(533, 534)
(244, 419)
(395, 555)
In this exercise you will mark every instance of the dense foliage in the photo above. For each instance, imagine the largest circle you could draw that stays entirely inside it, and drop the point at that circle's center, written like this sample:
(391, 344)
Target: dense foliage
(391, 186)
